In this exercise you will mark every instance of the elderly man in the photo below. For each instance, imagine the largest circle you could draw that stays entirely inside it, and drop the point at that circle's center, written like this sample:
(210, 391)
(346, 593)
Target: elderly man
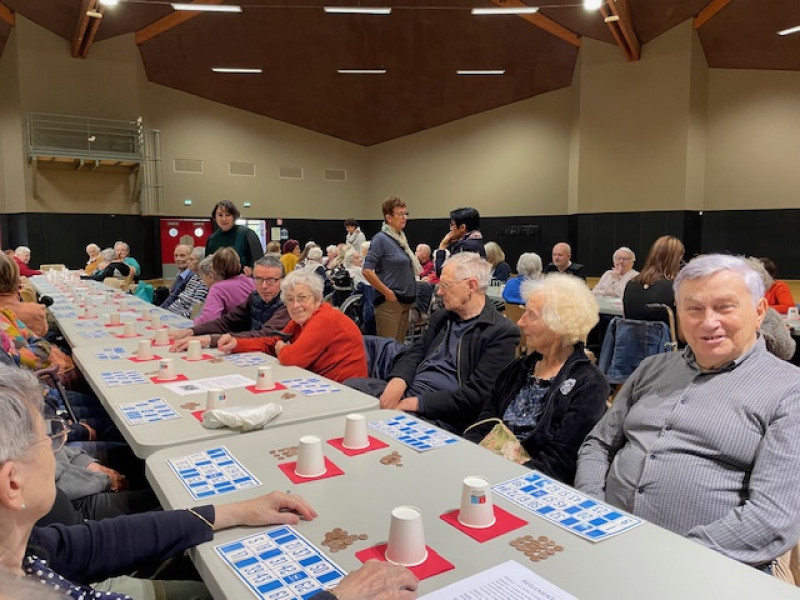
(181, 255)
(613, 281)
(260, 315)
(464, 236)
(123, 253)
(448, 374)
(93, 252)
(22, 256)
(705, 443)
(562, 262)
(423, 254)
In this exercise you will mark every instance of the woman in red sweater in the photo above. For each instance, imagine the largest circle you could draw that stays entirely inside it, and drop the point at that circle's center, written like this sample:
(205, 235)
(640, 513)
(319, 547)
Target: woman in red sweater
(778, 295)
(320, 338)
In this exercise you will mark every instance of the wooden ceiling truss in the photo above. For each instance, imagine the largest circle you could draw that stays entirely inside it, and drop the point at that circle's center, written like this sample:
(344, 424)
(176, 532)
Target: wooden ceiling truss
(711, 9)
(617, 15)
(6, 14)
(86, 29)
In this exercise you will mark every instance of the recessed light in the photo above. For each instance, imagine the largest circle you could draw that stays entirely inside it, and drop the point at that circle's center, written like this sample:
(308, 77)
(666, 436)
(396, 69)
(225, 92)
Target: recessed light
(187, 202)
(481, 72)
(247, 204)
(789, 31)
(506, 10)
(239, 70)
(109, 2)
(358, 10)
(592, 4)
(225, 8)
(361, 71)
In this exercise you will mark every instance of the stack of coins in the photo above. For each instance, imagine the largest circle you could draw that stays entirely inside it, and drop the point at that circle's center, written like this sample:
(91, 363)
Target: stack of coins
(536, 549)
(282, 453)
(190, 405)
(287, 395)
(338, 539)
(393, 459)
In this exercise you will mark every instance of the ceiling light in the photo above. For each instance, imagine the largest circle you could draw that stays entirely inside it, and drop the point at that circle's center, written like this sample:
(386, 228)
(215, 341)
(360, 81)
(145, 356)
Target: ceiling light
(208, 7)
(789, 31)
(506, 10)
(109, 2)
(611, 19)
(361, 71)
(358, 10)
(482, 72)
(592, 4)
(241, 70)
(94, 14)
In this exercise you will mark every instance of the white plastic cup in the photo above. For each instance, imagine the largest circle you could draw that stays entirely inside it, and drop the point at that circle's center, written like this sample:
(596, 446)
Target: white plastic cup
(406, 545)
(129, 330)
(477, 507)
(122, 305)
(310, 459)
(155, 321)
(215, 399)
(114, 319)
(355, 432)
(166, 369)
(88, 312)
(145, 315)
(162, 337)
(792, 313)
(145, 351)
(265, 380)
(195, 350)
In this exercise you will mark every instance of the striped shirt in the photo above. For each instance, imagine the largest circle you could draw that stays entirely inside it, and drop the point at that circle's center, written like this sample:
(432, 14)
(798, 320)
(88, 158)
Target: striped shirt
(711, 455)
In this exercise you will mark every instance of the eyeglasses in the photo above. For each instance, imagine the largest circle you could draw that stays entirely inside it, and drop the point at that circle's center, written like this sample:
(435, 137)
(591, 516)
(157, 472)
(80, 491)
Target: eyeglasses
(621, 259)
(268, 280)
(301, 299)
(446, 285)
(56, 431)
(400, 215)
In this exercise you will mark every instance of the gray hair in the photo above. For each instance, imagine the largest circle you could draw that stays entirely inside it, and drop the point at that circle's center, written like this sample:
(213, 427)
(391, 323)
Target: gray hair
(470, 264)
(108, 254)
(22, 250)
(204, 268)
(21, 405)
(759, 268)
(92, 247)
(305, 276)
(198, 253)
(624, 249)
(707, 265)
(529, 265)
(124, 245)
(425, 248)
(350, 256)
(570, 310)
(271, 260)
(314, 253)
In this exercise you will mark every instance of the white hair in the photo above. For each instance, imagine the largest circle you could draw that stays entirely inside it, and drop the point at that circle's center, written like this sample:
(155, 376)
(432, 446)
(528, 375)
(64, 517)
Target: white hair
(314, 253)
(306, 276)
(21, 404)
(108, 254)
(22, 251)
(707, 265)
(470, 264)
(570, 309)
(624, 249)
(529, 265)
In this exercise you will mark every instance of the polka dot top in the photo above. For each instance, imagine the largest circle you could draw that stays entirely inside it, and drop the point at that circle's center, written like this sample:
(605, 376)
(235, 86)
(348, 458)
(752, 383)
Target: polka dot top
(37, 568)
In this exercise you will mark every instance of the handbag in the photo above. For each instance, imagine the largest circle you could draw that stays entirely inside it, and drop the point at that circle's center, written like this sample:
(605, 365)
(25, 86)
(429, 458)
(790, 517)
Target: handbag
(502, 441)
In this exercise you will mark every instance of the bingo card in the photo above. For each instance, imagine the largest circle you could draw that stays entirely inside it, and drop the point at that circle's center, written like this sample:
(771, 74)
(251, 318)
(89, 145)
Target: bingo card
(111, 353)
(148, 411)
(414, 433)
(93, 334)
(247, 359)
(565, 507)
(211, 473)
(118, 378)
(310, 386)
(280, 564)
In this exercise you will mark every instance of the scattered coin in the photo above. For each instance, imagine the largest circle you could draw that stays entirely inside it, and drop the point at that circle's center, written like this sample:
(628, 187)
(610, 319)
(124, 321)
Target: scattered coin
(287, 395)
(190, 405)
(394, 458)
(536, 549)
(282, 453)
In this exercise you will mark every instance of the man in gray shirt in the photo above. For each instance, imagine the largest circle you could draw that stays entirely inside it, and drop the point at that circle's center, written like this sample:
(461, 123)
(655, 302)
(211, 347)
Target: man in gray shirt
(706, 443)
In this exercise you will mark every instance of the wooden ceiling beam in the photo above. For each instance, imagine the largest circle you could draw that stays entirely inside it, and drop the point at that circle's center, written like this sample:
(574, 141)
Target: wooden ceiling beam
(7, 15)
(86, 28)
(622, 28)
(711, 9)
(543, 22)
(171, 20)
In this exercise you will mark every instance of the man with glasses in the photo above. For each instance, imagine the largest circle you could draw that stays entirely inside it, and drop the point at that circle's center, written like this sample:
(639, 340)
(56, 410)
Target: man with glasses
(613, 281)
(448, 374)
(464, 236)
(260, 315)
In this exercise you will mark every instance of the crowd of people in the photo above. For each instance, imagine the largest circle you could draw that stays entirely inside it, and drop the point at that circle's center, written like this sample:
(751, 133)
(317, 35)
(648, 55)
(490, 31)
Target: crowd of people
(702, 441)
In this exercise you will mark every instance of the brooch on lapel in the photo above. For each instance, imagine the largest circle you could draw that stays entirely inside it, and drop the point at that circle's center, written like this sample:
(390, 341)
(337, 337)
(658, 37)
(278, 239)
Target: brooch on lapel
(567, 386)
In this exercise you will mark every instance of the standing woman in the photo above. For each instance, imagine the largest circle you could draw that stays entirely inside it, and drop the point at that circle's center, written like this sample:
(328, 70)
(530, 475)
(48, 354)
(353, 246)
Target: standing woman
(242, 239)
(354, 235)
(391, 269)
(653, 285)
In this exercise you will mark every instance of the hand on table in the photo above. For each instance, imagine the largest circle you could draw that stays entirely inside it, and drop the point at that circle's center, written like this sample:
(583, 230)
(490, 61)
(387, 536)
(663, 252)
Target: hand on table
(378, 581)
(280, 345)
(393, 393)
(226, 343)
(182, 344)
(410, 404)
(180, 334)
(275, 508)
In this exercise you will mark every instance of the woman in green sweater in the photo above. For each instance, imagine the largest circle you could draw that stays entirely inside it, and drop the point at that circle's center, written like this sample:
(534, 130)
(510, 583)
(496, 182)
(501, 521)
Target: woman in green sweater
(242, 239)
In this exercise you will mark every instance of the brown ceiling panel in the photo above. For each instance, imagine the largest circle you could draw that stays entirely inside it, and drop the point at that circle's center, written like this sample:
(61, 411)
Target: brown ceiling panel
(571, 15)
(743, 35)
(58, 16)
(301, 50)
(651, 18)
(127, 18)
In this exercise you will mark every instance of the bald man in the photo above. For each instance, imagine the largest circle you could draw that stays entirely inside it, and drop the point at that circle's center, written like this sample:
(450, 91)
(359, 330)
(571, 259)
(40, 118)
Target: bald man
(181, 255)
(562, 262)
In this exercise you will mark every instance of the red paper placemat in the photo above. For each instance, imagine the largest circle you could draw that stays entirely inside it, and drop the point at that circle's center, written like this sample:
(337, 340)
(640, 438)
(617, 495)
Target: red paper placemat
(137, 359)
(169, 343)
(127, 337)
(278, 386)
(114, 325)
(180, 377)
(203, 357)
(504, 523)
(374, 444)
(331, 470)
(434, 565)
(198, 414)
(155, 328)
(84, 318)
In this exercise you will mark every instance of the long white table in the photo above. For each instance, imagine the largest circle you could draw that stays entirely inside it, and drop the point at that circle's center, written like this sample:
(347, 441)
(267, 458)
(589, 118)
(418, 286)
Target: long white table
(646, 562)
(607, 306)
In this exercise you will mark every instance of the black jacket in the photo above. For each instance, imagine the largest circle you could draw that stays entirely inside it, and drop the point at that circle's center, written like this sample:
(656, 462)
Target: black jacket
(465, 244)
(571, 410)
(484, 350)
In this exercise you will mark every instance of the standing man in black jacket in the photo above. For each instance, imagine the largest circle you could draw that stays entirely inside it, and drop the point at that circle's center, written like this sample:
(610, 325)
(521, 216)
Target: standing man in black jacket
(464, 236)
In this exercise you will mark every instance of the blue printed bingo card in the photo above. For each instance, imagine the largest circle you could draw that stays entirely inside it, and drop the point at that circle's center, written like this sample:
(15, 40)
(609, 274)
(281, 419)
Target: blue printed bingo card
(414, 433)
(148, 411)
(565, 507)
(211, 473)
(280, 564)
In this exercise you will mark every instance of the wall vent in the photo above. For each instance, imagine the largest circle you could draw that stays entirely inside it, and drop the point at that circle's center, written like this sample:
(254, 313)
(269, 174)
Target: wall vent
(187, 165)
(335, 175)
(291, 173)
(241, 169)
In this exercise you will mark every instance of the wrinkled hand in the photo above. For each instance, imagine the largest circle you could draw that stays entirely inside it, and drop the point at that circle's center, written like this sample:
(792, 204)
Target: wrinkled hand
(378, 581)
(118, 481)
(275, 508)
(180, 334)
(182, 344)
(280, 345)
(393, 393)
(410, 404)
(226, 343)
(446, 240)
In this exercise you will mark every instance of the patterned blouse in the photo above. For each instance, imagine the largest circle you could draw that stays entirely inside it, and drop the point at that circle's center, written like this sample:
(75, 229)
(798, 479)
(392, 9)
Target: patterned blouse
(37, 569)
(27, 349)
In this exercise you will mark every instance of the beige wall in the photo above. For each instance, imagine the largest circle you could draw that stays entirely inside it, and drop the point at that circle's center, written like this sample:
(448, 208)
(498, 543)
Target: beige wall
(12, 165)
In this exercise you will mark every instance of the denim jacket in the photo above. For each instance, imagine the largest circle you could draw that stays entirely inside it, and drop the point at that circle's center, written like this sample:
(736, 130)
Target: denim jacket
(627, 343)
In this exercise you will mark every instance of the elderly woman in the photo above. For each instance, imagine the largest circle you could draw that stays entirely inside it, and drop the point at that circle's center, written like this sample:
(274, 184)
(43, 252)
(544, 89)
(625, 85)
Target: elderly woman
(653, 285)
(529, 267)
(93, 252)
(123, 254)
(109, 266)
(22, 256)
(318, 337)
(196, 290)
(290, 256)
(32, 314)
(501, 270)
(353, 262)
(228, 234)
(612, 283)
(551, 398)
(227, 286)
(776, 334)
